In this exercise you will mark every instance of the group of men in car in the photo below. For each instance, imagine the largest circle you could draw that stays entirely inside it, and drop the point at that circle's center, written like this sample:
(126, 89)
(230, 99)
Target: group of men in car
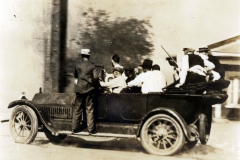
(199, 67)
(150, 80)
(195, 68)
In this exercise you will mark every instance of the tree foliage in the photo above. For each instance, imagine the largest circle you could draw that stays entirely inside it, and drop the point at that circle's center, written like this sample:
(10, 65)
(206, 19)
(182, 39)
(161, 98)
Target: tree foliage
(129, 38)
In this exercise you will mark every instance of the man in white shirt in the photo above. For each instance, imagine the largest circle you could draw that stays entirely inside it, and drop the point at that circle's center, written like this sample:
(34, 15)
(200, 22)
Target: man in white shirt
(148, 79)
(161, 79)
(212, 72)
(117, 83)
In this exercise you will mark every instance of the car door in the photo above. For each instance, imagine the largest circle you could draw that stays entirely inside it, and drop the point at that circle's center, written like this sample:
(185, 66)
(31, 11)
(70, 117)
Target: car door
(126, 107)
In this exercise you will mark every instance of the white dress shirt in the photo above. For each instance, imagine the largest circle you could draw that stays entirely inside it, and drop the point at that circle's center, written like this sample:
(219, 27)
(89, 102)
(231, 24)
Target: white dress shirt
(118, 83)
(149, 81)
(161, 80)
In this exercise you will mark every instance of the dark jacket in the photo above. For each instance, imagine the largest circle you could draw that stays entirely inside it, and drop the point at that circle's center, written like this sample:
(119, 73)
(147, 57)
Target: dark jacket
(195, 60)
(194, 77)
(218, 66)
(84, 74)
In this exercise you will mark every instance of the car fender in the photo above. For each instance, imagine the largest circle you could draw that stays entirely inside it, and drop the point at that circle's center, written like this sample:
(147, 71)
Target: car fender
(169, 112)
(41, 116)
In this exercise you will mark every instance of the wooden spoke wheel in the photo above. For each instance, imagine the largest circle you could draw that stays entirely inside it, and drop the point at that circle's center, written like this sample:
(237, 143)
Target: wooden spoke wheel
(23, 124)
(162, 135)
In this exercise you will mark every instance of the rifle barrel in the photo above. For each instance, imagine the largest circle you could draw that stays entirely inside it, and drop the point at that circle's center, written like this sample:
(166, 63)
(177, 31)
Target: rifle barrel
(169, 56)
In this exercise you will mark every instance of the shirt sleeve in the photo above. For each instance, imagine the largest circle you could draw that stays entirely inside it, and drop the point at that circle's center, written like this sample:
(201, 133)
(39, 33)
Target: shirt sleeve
(138, 80)
(209, 65)
(110, 84)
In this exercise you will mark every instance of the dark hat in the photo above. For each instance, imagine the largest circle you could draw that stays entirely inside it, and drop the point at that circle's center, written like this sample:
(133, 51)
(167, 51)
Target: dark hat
(119, 69)
(147, 64)
(203, 49)
(189, 49)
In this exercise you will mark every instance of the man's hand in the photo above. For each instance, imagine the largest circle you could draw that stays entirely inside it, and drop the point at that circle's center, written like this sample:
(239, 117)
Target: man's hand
(216, 75)
(128, 85)
(178, 85)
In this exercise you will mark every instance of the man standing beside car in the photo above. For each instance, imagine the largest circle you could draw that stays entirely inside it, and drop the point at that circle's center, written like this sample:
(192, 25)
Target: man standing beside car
(84, 92)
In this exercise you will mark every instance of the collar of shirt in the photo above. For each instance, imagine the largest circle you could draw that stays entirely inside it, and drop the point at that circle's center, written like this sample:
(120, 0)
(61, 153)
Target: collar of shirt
(118, 65)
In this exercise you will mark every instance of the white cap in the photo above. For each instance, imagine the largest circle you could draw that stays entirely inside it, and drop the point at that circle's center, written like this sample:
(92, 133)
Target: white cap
(85, 51)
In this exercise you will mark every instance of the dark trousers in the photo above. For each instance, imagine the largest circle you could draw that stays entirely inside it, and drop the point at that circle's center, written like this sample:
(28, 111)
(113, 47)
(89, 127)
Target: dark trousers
(84, 101)
(194, 78)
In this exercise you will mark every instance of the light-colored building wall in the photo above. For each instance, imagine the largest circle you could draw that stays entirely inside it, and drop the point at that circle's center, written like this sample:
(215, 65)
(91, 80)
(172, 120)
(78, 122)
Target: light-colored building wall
(228, 52)
(24, 40)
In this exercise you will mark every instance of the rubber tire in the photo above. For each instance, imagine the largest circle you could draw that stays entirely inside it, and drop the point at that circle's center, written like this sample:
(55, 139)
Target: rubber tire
(204, 129)
(162, 152)
(33, 121)
(54, 139)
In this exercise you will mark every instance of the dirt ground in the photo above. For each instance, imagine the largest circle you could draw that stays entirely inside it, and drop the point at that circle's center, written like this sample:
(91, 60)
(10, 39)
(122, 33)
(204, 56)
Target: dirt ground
(224, 144)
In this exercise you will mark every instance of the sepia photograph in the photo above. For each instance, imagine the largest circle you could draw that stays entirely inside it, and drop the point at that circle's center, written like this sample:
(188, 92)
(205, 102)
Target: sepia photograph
(120, 79)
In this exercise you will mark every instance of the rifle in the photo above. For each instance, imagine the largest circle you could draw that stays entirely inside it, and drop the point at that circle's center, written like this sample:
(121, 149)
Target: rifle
(170, 59)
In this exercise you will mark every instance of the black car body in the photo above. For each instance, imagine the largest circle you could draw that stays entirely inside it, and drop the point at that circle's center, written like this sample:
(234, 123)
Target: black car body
(163, 121)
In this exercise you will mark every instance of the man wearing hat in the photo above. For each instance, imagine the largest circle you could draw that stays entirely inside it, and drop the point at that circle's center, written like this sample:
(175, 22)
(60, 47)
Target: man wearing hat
(217, 72)
(84, 92)
(194, 68)
(117, 83)
(147, 79)
(188, 51)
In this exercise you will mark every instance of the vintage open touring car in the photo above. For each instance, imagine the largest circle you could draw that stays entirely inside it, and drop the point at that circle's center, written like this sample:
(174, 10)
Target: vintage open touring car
(164, 122)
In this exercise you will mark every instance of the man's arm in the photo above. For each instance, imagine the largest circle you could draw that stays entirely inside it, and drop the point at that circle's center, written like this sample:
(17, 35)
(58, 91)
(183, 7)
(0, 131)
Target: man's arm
(111, 84)
(208, 65)
(198, 69)
(137, 81)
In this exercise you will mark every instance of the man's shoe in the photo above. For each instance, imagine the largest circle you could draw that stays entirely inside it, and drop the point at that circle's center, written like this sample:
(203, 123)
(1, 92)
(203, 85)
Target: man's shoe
(76, 130)
(92, 132)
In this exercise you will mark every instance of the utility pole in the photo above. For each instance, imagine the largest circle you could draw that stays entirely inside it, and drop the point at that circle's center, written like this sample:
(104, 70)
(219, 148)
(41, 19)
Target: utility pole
(57, 57)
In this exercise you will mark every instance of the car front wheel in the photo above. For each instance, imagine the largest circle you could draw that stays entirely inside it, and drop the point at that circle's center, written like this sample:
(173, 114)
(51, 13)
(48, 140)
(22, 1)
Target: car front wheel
(23, 124)
(162, 135)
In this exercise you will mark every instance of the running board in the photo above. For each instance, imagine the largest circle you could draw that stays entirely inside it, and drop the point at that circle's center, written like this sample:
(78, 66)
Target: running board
(96, 134)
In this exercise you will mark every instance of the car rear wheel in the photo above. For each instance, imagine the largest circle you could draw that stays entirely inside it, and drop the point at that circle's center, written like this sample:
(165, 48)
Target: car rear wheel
(162, 135)
(53, 138)
(23, 124)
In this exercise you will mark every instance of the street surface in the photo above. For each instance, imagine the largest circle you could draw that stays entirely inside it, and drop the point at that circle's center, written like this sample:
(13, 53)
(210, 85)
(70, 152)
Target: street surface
(224, 144)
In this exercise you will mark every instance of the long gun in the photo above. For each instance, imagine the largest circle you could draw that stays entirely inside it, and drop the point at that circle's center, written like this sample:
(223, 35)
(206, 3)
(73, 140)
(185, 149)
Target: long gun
(175, 63)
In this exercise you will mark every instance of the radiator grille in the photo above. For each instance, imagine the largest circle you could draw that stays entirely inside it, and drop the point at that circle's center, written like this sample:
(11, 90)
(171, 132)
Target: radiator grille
(57, 111)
